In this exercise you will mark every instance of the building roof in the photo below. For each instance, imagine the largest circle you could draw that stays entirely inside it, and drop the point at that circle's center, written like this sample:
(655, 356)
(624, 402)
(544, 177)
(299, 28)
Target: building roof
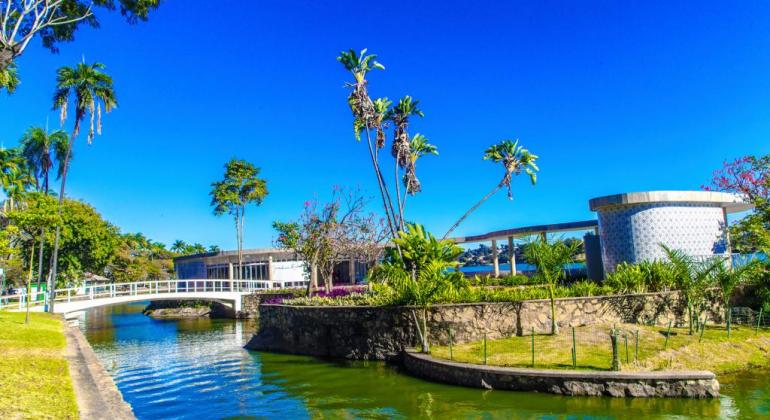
(529, 230)
(732, 203)
(245, 252)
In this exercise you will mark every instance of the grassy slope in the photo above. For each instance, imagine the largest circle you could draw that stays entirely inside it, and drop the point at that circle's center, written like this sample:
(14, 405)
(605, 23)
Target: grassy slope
(34, 375)
(716, 352)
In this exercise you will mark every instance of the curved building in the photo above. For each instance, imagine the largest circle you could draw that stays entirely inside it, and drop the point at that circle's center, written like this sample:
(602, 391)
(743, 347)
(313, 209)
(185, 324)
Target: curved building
(632, 226)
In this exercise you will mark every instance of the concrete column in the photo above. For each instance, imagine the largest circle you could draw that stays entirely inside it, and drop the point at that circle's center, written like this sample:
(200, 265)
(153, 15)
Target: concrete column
(512, 255)
(728, 245)
(495, 261)
(229, 271)
(352, 270)
(270, 268)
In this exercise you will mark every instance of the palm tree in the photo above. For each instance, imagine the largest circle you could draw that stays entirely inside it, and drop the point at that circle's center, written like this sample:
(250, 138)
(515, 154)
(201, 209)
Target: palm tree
(550, 260)
(89, 89)
(179, 246)
(728, 278)
(367, 116)
(399, 115)
(240, 187)
(381, 109)
(419, 147)
(41, 149)
(214, 248)
(515, 159)
(14, 176)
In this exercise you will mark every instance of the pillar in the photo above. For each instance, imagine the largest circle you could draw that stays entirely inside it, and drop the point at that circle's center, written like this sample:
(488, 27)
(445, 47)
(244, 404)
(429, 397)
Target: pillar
(512, 255)
(230, 271)
(728, 245)
(352, 270)
(495, 261)
(270, 268)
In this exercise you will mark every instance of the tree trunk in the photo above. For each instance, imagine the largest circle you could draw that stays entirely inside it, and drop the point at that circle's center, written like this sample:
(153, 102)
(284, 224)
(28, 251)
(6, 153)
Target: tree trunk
(40, 259)
(55, 255)
(383, 188)
(554, 324)
(29, 280)
(472, 209)
(689, 315)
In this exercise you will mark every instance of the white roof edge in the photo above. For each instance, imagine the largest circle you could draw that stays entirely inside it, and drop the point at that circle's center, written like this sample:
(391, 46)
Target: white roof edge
(732, 203)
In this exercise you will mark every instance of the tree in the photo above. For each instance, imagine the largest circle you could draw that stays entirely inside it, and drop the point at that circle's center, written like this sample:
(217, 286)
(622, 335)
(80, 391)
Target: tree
(178, 246)
(515, 159)
(728, 278)
(42, 149)
(550, 260)
(422, 272)
(748, 177)
(15, 178)
(240, 187)
(89, 88)
(326, 234)
(54, 21)
(692, 279)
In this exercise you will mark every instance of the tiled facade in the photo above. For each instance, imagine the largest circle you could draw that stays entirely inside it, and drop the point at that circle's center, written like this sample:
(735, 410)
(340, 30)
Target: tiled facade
(633, 233)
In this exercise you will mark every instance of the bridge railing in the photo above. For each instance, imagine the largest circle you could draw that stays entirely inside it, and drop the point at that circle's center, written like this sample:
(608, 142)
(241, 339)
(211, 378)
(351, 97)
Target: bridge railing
(152, 287)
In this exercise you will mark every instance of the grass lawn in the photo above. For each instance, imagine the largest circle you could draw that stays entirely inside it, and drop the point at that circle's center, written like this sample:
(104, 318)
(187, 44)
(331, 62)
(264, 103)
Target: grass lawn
(34, 375)
(715, 352)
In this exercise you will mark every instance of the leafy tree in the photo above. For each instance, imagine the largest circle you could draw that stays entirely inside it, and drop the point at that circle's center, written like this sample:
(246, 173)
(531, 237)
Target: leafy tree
(692, 279)
(54, 21)
(15, 178)
(178, 246)
(550, 260)
(88, 88)
(515, 159)
(214, 248)
(728, 278)
(748, 177)
(423, 272)
(240, 187)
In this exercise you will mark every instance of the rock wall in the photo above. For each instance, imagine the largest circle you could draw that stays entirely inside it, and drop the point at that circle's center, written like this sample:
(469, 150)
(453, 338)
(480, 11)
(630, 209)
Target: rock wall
(364, 332)
(613, 384)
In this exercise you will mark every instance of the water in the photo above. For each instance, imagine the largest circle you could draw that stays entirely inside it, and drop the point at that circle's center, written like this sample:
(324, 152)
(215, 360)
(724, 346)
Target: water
(197, 369)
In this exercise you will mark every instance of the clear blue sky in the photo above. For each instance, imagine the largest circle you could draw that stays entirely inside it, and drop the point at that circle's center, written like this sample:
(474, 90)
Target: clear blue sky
(614, 97)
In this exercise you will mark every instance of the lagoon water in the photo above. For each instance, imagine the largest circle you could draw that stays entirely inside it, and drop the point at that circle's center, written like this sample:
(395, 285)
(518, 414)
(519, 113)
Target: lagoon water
(198, 369)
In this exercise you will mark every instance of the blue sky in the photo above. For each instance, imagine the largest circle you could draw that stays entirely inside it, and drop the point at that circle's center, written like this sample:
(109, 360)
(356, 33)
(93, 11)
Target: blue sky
(613, 96)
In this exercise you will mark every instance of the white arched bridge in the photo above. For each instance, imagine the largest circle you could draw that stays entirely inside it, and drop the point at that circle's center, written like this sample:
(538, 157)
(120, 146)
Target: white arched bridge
(228, 292)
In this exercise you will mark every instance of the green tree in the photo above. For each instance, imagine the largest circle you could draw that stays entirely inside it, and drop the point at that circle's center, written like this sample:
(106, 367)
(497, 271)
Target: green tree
(422, 273)
(550, 260)
(728, 278)
(179, 246)
(53, 22)
(515, 160)
(240, 187)
(15, 178)
(89, 89)
(692, 279)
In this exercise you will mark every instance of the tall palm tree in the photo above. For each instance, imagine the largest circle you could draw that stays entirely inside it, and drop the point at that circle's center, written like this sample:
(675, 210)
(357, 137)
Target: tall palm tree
(42, 149)
(515, 159)
(89, 89)
(365, 118)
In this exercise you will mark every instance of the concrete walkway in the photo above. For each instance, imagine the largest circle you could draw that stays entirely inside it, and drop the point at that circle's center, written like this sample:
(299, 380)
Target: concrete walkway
(96, 393)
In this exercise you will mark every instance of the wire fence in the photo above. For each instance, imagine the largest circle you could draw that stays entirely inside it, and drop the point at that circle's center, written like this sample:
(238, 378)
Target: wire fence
(603, 347)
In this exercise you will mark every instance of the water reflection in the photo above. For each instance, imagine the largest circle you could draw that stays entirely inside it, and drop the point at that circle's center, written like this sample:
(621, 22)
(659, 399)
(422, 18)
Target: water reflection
(196, 368)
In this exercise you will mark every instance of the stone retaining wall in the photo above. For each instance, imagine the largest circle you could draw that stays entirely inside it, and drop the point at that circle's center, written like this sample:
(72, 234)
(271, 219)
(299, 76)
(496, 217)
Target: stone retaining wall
(684, 384)
(364, 332)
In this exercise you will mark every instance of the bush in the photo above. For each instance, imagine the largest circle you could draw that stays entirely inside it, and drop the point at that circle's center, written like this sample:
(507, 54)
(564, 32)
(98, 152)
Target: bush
(655, 276)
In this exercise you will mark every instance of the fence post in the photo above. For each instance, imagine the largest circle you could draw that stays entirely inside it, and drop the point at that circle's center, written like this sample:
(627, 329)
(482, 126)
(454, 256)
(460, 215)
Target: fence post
(450, 343)
(625, 338)
(668, 334)
(533, 346)
(615, 355)
(759, 319)
(574, 350)
(485, 348)
(636, 347)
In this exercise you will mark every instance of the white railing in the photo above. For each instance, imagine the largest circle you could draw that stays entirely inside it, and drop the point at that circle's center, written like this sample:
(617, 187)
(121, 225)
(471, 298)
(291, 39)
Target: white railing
(153, 287)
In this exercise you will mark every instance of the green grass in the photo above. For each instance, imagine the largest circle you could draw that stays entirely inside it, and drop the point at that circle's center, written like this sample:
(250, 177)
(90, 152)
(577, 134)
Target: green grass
(716, 352)
(34, 375)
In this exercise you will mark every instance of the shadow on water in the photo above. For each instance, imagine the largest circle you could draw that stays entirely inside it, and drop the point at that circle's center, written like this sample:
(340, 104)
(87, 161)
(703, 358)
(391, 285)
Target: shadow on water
(197, 368)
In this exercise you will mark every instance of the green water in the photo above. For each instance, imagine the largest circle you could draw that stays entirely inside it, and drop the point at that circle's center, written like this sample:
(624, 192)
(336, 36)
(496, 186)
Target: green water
(198, 369)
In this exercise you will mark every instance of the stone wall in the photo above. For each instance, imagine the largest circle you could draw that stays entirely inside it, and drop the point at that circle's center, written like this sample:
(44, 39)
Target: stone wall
(613, 384)
(363, 332)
